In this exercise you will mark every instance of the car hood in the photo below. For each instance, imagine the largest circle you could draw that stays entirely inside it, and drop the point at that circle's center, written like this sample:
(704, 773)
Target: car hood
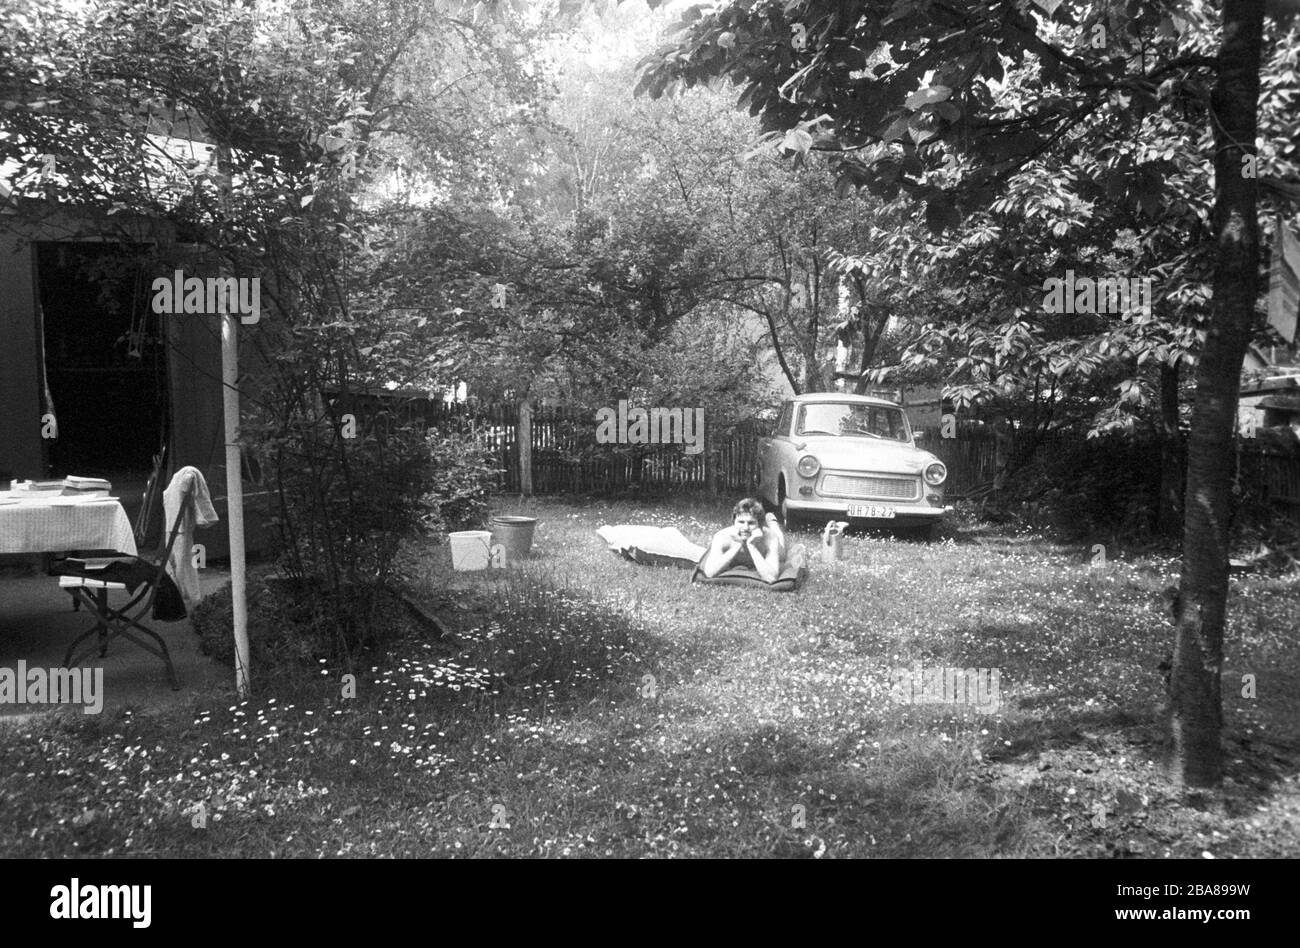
(866, 454)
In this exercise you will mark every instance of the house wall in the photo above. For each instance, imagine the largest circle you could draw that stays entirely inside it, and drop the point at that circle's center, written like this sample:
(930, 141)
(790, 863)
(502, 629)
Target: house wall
(195, 430)
(21, 450)
(20, 403)
(197, 433)
(22, 453)
(194, 374)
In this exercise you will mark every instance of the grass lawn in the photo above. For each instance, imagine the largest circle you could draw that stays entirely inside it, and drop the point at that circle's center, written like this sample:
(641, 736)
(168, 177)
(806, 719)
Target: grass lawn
(593, 707)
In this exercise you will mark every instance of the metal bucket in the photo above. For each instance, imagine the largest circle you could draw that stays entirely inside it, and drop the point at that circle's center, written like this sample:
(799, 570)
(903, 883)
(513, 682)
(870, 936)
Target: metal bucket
(515, 534)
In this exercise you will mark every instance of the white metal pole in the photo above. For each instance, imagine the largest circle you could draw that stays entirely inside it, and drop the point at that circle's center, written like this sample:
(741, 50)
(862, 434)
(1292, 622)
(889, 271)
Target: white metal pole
(235, 496)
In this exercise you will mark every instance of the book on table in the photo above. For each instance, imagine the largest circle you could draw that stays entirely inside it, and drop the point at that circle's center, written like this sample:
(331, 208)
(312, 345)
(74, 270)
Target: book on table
(86, 486)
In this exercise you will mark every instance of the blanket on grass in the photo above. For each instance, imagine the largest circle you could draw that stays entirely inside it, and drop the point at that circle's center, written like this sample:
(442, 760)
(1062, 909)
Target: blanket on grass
(792, 575)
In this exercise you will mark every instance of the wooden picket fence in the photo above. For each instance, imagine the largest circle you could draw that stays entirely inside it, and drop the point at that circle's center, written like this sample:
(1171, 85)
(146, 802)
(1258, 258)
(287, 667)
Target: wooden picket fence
(1269, 474)
(566, 459)
(971, 457)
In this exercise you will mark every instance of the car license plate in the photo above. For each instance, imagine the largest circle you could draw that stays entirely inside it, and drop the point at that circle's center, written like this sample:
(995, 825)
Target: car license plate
(871, 510)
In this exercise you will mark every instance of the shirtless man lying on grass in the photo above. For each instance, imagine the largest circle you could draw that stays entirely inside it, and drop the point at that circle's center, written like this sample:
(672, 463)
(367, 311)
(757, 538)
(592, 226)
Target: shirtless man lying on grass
(753, 541)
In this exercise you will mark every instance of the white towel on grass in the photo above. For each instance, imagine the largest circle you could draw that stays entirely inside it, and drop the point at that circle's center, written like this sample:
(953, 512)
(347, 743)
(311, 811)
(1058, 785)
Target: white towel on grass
(188, 480)
(661, 545)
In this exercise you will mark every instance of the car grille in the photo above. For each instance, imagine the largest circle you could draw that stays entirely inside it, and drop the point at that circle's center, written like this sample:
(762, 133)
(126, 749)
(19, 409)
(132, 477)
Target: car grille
(885, 488)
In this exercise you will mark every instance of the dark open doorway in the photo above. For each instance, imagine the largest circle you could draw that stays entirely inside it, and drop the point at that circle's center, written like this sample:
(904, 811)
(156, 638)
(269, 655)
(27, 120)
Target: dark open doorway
(105, 360)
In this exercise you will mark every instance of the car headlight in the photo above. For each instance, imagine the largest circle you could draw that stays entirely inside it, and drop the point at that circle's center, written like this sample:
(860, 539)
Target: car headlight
(935, 473)
(808, 466)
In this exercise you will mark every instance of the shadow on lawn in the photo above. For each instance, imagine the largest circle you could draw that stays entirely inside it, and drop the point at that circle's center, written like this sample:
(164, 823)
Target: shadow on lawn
(537, 631)
(1097, 741)
(793, 795)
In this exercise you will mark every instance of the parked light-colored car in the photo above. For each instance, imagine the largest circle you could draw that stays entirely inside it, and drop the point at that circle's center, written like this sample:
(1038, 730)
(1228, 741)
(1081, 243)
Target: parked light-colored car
(838, 456)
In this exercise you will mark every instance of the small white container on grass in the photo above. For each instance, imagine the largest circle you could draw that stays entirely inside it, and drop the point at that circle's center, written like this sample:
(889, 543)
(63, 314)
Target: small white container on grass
(470, 549)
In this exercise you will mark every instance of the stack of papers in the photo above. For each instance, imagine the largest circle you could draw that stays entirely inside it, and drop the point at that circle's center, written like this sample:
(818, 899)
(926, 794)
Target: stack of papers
(32, 488)
(64, 493)
(86, 487)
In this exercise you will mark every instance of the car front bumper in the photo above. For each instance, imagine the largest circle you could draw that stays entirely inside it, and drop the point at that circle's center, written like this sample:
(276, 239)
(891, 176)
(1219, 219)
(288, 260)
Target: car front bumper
(838, 509)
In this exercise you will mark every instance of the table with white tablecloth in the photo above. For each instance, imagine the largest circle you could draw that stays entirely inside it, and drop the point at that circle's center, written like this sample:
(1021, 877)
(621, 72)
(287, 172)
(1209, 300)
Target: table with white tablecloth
(56, 524)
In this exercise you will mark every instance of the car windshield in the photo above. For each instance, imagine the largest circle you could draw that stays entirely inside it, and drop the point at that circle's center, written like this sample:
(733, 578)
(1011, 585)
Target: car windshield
(851, 420)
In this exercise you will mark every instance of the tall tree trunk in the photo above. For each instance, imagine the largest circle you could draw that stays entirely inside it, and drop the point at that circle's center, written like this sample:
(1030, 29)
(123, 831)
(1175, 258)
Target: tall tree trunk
(1170, 507)
(812, 371)
(1195, 701)
(778, 348)
(873, 327)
